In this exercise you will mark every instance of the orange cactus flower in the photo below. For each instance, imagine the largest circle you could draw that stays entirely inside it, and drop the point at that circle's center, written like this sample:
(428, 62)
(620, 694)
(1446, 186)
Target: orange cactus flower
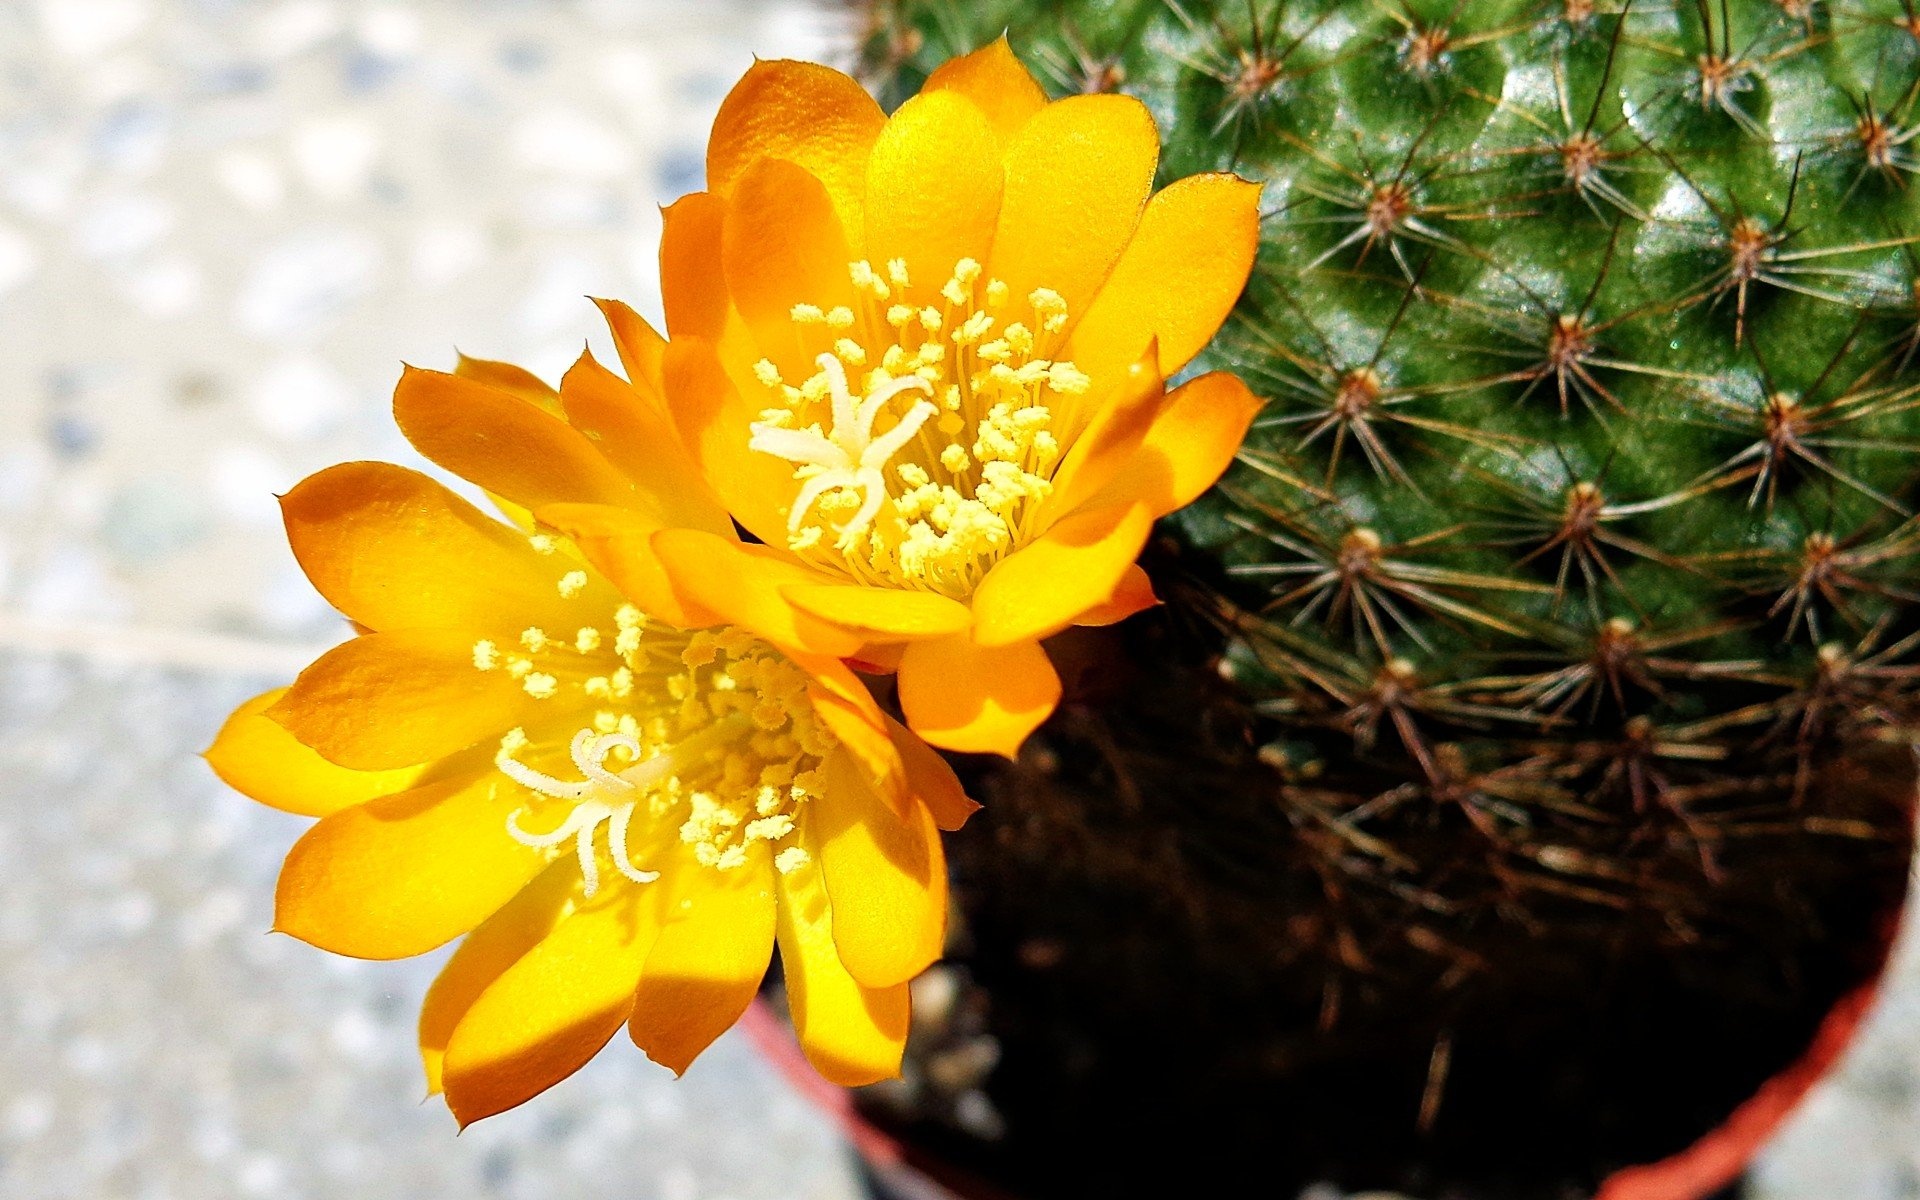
(622, 808)
(921, 360)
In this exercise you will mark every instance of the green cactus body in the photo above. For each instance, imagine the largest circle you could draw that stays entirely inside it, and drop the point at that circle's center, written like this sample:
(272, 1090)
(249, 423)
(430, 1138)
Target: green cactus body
(1579, 519)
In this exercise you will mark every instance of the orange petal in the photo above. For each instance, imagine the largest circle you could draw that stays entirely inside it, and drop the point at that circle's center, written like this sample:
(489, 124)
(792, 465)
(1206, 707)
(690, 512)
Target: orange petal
(693, 291)
(1111, 435)
(852, 1034)
(619, 544)
(878, 613)
(714, 422)
(386, 700)
(1178, 278)
(933, 189)
(551, 1011)
(977, 699)
(996, 82)
(503, 443)
(1191, 443)
(806, 114)
(743, 585)
(638, 343)
(931, 779)
(848, 710)
(1133, 594)
(393, 549)
(708, 961)
(257, 757)
(1078, 175)
(885, 875)
(402, 874)
(485, 954)
(783, 245)
(632, 431)
(515, 381)
(1074, 566)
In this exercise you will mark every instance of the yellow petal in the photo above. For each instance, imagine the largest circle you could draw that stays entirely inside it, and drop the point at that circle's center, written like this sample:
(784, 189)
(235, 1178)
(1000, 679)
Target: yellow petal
(1074, 566)
(393, 549)
(877, 613)
(1109, 437)
(1133, 594)
(852, 1034)
(806, 114)
(848, 710)
(931, 779)
(1078, 175)
(933, 189)
(714, 422)
(996, 82)
(693, 292)
(1177, 279)
(402, 874)
(632, 431)
(503, 443)
(619, 544)
(640, 346)
(743, 584)
(259, 758)
(885, 875)
(783, 245)
(976, 699)
(551, 1011)
(387, 700)
(485, 954)
(708, 961)
(1191, 443)
(515, 381)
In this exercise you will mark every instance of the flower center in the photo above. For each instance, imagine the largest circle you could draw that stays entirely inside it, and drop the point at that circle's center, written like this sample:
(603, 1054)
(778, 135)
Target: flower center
(706, 737)
(926, 437)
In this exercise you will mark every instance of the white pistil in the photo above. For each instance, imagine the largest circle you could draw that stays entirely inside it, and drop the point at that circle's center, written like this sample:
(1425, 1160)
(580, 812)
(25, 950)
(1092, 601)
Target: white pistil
(849, 456)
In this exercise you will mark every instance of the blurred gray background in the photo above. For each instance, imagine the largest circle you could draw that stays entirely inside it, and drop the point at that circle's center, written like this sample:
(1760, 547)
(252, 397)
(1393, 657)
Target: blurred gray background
(223, 225)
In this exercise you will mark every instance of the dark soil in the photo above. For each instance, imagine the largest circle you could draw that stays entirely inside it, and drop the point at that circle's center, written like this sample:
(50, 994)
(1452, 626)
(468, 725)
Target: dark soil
(1166, 976)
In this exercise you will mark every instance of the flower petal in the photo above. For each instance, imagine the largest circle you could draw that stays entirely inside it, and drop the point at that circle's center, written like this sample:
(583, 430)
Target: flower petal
(694, 294)
(803, 113)
(783, 245)
(632, 430)
(743, 584)
(1191, 443)
(386, 700)
(1133, 594)
(515, 381)
(257, 757)
(551, 1011)
(393, 549)
(878, 613)
(485, 954)
(639, 344)
(503, 443)
(931, 780)
(996, 82)
(848, 710)
(885, 874)
(1074, 566)
(978, 699)
(619, 544)
(852, 1034)
(714, 422)
(1109, 438)
(933, 189)
(1078, 175)
(1178, 278)
(402, 874)
(708, 961)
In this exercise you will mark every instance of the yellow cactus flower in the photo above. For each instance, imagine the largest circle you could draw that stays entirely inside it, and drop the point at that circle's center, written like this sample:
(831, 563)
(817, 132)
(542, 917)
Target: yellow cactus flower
(623, 806)
(920, 358)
